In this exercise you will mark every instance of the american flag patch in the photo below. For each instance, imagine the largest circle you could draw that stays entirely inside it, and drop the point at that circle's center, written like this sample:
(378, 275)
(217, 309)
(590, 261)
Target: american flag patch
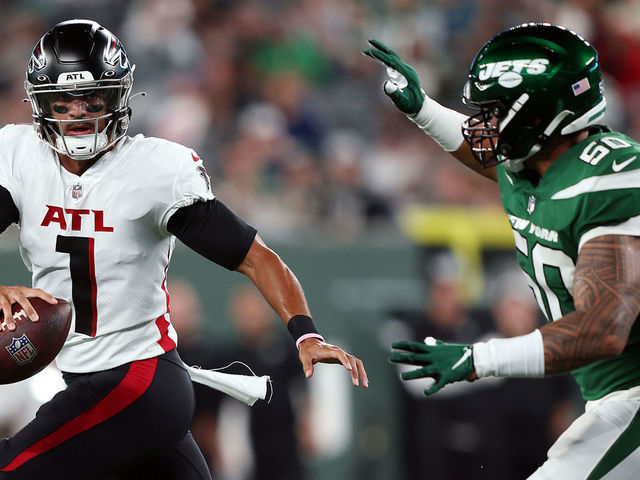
(581, 86)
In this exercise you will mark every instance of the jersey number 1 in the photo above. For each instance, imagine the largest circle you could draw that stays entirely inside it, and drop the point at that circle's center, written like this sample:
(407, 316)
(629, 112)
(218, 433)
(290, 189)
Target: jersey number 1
(83, 280)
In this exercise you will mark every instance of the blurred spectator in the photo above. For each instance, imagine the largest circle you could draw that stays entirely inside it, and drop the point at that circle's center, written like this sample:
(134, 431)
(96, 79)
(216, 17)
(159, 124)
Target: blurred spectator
(348, 204)
(264, 346)
(282, 421)
(445, 436)
(526, 416)
(486, 430)
(196, 350)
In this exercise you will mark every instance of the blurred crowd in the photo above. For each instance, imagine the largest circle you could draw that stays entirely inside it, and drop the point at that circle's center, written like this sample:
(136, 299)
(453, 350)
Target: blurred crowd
(290, 117)
(497, 429)
(300, 140)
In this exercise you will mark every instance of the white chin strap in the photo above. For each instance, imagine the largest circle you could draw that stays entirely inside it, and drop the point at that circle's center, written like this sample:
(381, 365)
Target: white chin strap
(82, 147)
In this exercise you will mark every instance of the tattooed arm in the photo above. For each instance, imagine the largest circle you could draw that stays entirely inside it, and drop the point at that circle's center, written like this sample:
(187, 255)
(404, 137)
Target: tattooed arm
(606, 293)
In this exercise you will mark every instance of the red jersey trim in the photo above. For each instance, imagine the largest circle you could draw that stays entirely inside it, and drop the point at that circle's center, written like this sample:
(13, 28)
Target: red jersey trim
(164, 283)
(165, 341)
(134, 384)
(94, 288)
(162, 323)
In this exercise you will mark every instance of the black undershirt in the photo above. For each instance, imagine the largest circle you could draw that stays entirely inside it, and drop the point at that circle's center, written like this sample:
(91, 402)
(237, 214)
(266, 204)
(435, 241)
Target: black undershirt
(8, 211)
(214, 231)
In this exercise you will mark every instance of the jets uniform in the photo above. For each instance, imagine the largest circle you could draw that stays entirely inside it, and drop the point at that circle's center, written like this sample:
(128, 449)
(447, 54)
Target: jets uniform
(538, 96)
(591, 190)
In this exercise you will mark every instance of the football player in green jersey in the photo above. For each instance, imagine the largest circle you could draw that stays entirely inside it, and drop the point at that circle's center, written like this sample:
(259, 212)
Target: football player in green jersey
(571, 190)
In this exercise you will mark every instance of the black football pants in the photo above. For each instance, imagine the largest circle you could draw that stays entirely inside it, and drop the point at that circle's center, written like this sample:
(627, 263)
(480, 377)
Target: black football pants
(130, 422)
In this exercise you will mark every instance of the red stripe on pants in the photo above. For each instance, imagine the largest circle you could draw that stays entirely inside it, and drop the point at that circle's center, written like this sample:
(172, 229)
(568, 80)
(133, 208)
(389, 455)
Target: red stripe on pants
(134, 384)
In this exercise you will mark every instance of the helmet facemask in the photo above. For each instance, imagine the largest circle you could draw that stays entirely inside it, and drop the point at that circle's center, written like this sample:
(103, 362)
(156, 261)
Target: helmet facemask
(490, 139)
(106, 128)
(481, 134)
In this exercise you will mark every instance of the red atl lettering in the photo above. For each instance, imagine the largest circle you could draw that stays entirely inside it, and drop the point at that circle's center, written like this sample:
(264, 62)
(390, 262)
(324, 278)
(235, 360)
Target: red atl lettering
(54, 214)
(60, 215)
(98, 216)
(76, 219)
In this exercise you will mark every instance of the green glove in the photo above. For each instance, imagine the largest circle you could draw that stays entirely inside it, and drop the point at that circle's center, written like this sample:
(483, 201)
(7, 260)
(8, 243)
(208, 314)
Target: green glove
(404, 85)
(444, 362)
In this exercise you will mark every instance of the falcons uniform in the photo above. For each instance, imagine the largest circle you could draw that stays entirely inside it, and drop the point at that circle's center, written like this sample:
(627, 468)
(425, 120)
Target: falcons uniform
(100, 241)
(103, 242)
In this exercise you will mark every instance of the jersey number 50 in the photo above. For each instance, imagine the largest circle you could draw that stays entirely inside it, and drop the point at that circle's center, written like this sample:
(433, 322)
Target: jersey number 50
(542, 256)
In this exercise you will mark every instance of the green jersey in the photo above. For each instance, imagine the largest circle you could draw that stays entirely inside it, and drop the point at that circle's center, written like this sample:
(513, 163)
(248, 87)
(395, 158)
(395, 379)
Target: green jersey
(593, 189)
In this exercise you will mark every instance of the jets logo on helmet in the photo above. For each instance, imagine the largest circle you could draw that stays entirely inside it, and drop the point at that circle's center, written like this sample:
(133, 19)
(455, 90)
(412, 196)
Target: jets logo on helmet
(497, 69)
(512, 79)
(509, 72)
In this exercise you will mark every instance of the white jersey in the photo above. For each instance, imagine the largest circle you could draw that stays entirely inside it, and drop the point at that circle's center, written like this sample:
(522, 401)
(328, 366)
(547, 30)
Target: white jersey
(100, 240)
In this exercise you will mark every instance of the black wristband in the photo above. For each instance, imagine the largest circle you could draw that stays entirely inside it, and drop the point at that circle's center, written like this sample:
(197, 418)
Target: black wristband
(302, 326)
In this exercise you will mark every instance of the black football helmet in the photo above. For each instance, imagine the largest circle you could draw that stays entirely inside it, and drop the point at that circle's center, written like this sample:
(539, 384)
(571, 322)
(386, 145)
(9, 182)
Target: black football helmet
(80, 58)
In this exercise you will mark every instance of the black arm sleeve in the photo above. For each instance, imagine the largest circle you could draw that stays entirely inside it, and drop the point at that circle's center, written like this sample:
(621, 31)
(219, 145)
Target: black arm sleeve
(214, 231)
(8, 211)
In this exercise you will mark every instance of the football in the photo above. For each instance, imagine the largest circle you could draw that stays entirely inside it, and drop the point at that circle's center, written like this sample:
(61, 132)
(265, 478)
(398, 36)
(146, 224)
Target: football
(33, 345)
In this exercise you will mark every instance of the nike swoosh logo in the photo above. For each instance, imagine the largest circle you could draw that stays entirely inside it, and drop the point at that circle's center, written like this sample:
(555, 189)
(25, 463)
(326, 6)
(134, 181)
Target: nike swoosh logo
(616, 167)
(465, 355)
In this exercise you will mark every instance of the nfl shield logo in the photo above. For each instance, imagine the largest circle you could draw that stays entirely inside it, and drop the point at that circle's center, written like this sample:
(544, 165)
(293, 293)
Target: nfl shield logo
(531, 206)
(76, 191)
(22, 350)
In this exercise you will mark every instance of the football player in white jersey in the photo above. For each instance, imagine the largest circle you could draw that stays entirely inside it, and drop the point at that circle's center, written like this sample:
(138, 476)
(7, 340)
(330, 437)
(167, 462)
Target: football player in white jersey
(569, 188)
(98, 213)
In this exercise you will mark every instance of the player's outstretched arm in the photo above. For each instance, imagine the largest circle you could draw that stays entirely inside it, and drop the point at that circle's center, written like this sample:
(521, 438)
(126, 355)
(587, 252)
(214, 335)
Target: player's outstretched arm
(440, 123)
(283, 292)
(606, 292)
(20, 295)
(606, 295)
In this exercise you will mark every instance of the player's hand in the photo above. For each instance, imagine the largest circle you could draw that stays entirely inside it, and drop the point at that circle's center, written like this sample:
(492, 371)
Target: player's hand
(314, 350)
(444, 362)
(19, 294)
(403, 86)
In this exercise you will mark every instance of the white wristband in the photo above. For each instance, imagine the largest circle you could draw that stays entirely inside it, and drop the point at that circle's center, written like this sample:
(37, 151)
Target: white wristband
(521, 356)
(442, 124)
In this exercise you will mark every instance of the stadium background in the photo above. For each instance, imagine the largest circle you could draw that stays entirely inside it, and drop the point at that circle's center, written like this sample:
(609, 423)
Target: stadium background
(300, 141)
